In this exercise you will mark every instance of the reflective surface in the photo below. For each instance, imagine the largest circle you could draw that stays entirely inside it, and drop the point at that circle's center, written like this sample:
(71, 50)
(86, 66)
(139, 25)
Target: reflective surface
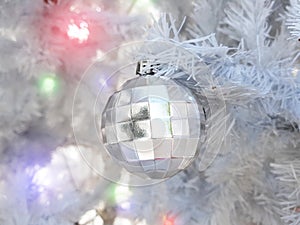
(152, 127)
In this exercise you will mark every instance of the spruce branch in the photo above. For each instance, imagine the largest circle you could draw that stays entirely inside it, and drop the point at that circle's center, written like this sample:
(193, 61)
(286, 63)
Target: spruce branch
(206, 17)
(248, 21)
(293, 19)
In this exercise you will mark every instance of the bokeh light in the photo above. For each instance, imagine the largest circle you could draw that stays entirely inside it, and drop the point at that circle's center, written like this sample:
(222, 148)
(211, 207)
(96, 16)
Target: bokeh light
(295, 71)
(119, 195)
(125, 205)
(168, 221)
(62, 176)
(48, 84)
(80, 32)
(42, 178)
(122, 194)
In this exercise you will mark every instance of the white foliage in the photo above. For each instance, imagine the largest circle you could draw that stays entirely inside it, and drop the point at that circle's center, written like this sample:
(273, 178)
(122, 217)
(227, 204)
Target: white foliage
(293, 19)
(33, 125)
(56, 192)
(255, 80)
(177, 8)
(17, 117)
(247, 20)
(206, 17)
(251, 164)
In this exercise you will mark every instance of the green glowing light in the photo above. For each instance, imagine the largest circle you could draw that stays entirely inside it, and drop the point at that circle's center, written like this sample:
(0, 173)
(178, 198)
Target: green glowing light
(117, 194)
(48, 84)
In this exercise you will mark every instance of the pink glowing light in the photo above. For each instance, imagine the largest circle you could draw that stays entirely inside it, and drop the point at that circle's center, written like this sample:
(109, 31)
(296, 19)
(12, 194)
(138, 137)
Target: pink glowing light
(168, 221)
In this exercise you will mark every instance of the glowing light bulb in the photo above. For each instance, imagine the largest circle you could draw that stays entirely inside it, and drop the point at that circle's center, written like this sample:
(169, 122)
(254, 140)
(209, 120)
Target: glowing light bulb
(295, 72)
(168, 221)
(48, 84)
(122, 194)
(118, 194)
(125, 205)
(81, 32)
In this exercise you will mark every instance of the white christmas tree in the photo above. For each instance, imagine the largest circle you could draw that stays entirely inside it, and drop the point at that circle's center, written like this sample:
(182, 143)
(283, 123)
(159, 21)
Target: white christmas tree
(61, 60)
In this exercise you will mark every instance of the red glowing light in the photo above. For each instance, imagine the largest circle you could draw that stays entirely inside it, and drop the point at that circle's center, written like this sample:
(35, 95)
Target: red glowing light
(81, 32)
(168, 221)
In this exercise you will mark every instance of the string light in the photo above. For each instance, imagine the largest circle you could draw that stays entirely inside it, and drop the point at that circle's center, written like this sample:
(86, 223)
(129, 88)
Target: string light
(48, 84)
(168, 221)
(295, 72)
(118, 194)
(80, 32)
(125, 205)
(122, 194)
(42, 178)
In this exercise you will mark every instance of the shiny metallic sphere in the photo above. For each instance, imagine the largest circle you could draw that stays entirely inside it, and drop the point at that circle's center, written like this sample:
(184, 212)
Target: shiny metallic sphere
(152, 126)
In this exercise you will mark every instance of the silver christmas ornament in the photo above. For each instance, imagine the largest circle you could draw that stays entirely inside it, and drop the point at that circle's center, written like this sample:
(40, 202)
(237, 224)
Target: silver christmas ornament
(152, 126)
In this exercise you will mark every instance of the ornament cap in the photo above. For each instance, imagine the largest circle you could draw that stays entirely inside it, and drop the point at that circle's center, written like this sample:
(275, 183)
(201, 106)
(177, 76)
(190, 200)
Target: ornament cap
(147, 67)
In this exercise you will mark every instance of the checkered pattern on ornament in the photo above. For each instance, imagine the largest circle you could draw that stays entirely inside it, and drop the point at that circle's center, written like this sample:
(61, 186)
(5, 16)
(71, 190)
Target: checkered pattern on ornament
(152, 126)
